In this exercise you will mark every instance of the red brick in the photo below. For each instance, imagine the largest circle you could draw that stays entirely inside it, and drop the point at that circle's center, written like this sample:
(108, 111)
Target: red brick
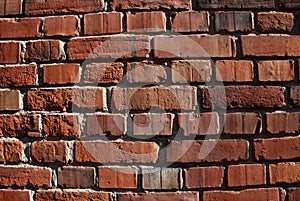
(145, 98)
(10, 52)
(162, 196)
(76, 177)
(43, 50)
(276, 70)
(294, 194)
(10, 100)
(116, 152)
(50, 151)
(24, 176)
(289, 4)
(199, 124)
(234, 21)
(11, 195)
(63, 6)
(102, 23)
(285, 122)
(270, 45)
(241, 123)
(108, 47)
(153, 124)
(61, 125)
(22, 28)
(11, 151)
(118, 177)
(191, 71)
(285, 173)
(190, 21)
(277, 148)
(295, 95)
(161, 178)
(61, 26)
(234, 4)
(204, 177)
(12, 7)
(215, 151)
(61, 73)
(234, 70)
(260, 194)
(276, 22)
(106, 124)
(193, 46)
(146, 22)
(243, 97)
(153, 5)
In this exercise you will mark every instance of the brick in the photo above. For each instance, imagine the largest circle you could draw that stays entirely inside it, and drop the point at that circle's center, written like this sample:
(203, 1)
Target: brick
(153, 5)
(276, 22)
(204, 177)
(285, 122)
(11, 195)
(146, 98)
(243, 97)
(270, 45)
(61, 26)
(276, 70)
(188, 46)
(285, 173)
(289, 4)
(20, 126)
(191, 71)
(277, 148)
(190, 21)
(22, 28)
(162, 196)
(234, 21)
(61, 126)
(76, 177)
(10, 100)
(234, 4)
(64, 6)
(242, 123)
(10, 52)
(11, 151)
(295, 95)
(118, 177)
(294, 194)
(106, 125)
(215, 151)
(153, 124)
(260, 194)
(61, 74)
(50, 151)
(234, 70)
(146, 22)
(102, 23)
(198, 124)
(108, 47)
(103, 73)
(24, 176)
(44, 50)
(12, 7)
(116, 152)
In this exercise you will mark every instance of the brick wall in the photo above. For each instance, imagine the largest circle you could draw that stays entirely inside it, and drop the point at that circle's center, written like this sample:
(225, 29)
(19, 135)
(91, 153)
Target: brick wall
(132, 100)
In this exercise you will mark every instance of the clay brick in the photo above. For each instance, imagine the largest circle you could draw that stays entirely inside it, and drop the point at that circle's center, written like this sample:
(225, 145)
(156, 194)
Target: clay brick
(286, 122)
(108, 47)
(153, 5)
(294, 194)
(276, 70)
(194, 46)
(270, 45)
(61, 26)
(289, 4)
(102, 23)
(234, 70)
(295, 95)
(243, 97)
(234, 4)
(118, 177)
(50, 151)
(61, 73)
(61, 125)
(24, 176)
(146, 22)
(215, 151)
(116, 152)
(11, 7)
(153, 124)
(162, 196)
(285, 173)
(11, 151)
(63, 6)
(190, 21)
(241, 123)
(11, 195)
(10, 100)
(191, 71)
(234, 21)
(43, 50)
(204, 177)
(10, 52)
(277, 148)
(276, 22)
(76, 177)
(106, 124)
(198, 124)
(22, 28)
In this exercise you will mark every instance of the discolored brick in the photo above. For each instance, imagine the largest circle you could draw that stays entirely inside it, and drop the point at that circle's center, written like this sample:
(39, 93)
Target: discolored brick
(76, 177)
(146, 22)
(190, 21)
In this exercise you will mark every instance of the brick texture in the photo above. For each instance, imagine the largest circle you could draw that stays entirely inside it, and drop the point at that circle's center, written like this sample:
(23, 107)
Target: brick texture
(275, 22)
(10, 195)
(294, 194)
(61, 26)
(13, 7)
(72, 177)
(146, 22)
(72, 195)
(204, 177)
(286, 122)
(295, 95)
(50, 152)
(10, 52)
(281, 70)
(11, 151)
(153, 5)
(160, 178)
(61, 74)
(10, 100)
(284, 173)
(190, 21)
(23, 28)
(176, 196)
(234, 21)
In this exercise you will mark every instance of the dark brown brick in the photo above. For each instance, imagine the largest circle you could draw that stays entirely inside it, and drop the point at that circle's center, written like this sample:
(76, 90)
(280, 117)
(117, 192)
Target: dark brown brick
(295, 95)
(234, 21)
